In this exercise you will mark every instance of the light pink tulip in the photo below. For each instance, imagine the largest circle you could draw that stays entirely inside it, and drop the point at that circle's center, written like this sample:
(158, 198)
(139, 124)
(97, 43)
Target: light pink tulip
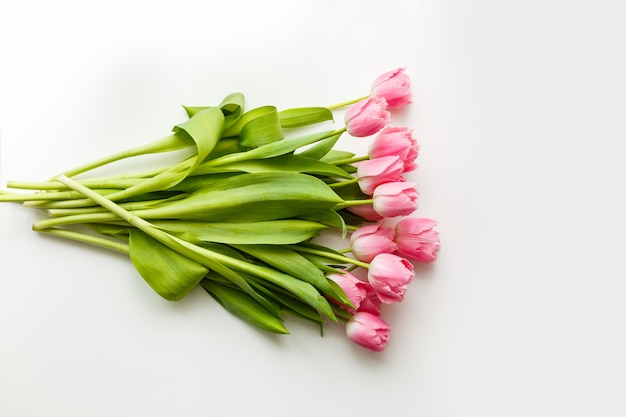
(390, 275)
(356, 290)
(368, 331)
(397, 141)
(417, 239)
(371, 240)
(394, 199)
(373, 172)
(395, 87)
(366, 212)
(367, 117)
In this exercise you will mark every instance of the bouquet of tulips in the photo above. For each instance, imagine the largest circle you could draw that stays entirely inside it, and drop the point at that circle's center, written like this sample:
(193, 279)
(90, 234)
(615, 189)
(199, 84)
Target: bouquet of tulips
(243, 214)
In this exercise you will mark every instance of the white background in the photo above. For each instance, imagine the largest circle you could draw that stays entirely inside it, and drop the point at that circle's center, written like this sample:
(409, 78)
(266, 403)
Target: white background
(519, 111)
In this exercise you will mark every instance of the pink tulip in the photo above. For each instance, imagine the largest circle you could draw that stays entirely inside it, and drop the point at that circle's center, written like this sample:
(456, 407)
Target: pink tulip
(369, 241)
(416, 239)
(371, 173)
(356, 290)
(368, 331)
(367, 117)
(397, 141)
(371, 303)
(395, 87)
(394, 199)
(366, 212)
(390, 275)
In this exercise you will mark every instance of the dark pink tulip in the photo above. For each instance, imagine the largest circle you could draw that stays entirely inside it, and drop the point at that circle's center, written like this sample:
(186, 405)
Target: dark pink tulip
(356, 290)
(390, 275)
(366, 212)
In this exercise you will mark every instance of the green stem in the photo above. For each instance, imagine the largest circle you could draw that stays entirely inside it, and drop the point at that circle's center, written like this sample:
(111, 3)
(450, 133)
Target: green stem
(35, 199)
(169, 143)
(133, 206)
(75, 219)
(85, 238)
(350, 160)
(350, 203)
(339, 184)
(105, 183)
(164, 180)
(347, 103)
(330, 255)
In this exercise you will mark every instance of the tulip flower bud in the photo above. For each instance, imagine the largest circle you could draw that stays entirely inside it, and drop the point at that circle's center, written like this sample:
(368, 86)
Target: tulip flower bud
(394, 199)
(366, 212)
(371, 303)
(390, 275)
(372, 240)
(416, 239)
(368, 331)
(371, 173)
(367, 117)
(395, 87)
(354, 288)
(397, 141)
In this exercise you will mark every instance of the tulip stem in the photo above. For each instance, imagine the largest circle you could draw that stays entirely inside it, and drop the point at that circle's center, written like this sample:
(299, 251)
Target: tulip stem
(350, 203)
(350, 160)
(85, 238)
(169, 143)
(330, 255)
(343, 183)
(346, 103)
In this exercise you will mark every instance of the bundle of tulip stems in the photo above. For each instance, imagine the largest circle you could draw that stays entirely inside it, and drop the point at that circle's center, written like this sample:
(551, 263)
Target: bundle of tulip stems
(241, 216)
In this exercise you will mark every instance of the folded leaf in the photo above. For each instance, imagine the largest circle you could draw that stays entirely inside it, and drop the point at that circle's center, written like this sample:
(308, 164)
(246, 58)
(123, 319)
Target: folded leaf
(170, 274)
(304, 116)
(262, 129)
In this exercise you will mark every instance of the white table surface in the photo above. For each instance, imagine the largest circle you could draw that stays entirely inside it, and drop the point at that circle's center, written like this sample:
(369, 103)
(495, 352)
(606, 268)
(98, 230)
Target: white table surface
(519, 111)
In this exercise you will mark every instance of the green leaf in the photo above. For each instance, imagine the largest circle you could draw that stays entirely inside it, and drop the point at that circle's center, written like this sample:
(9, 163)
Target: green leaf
(197, 182)
(287, 302)
(245, 307)
(274, 232)
(264, 128)
(304, 116)
(330, 218)
(294, 264)
(337, 155)
(251, 198)
(205, 128)
(231, 107)
(322, 148)
(283, 163)
(170, 274)
(270, 150)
